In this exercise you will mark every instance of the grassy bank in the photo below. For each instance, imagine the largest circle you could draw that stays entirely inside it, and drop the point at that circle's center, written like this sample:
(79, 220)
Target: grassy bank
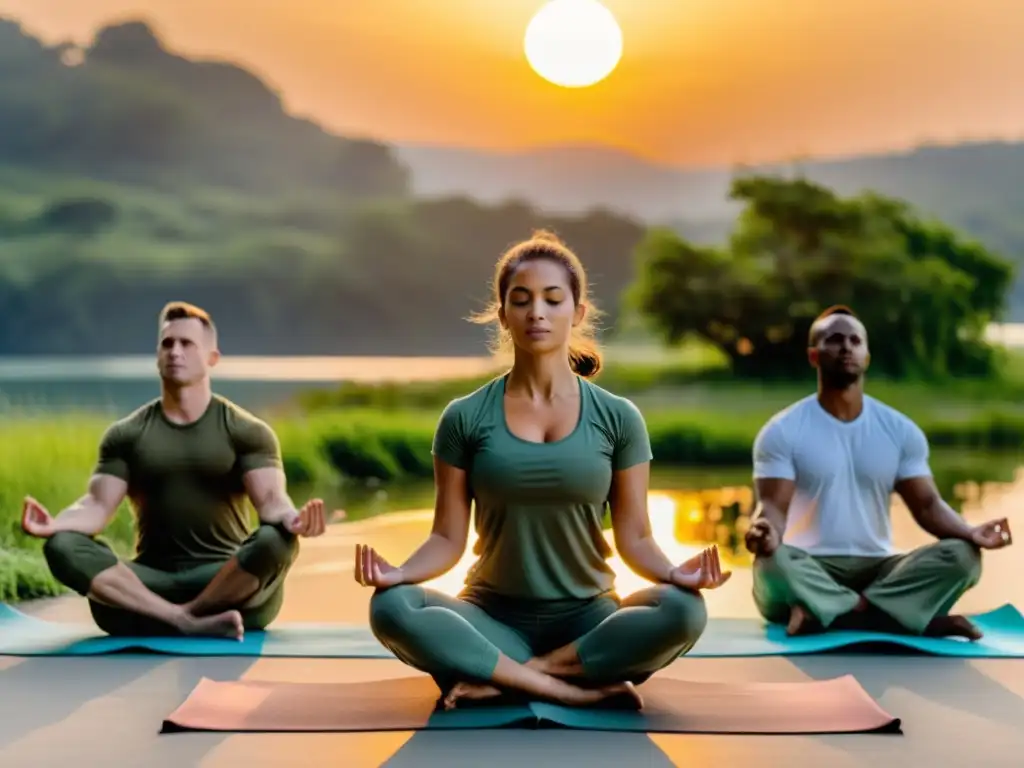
(697, 414)
(49, 459)
(371, 445)
(361, 437)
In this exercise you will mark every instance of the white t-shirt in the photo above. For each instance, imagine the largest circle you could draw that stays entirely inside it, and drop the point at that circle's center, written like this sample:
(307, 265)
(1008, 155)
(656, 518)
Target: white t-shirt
(845, 473)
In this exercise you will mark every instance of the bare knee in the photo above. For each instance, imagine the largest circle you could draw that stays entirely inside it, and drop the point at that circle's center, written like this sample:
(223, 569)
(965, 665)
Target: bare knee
(268, 551)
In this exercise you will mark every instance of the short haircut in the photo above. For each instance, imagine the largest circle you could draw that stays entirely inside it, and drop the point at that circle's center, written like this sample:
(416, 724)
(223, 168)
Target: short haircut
(182, 310)
(814, 335)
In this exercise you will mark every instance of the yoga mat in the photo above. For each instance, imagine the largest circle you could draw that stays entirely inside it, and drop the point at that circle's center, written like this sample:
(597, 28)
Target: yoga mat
(839, 705)
(23, 635)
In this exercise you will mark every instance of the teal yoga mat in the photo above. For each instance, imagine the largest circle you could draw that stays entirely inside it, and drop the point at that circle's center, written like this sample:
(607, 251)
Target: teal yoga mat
(23, 635)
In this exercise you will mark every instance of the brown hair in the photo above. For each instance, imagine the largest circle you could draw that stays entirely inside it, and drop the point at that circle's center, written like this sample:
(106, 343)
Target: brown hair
(814, 334)
(182, 310)
(584, 354)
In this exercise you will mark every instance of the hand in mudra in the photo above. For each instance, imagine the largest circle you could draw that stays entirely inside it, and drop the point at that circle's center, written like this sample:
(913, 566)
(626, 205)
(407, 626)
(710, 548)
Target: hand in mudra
(703, 571)
(372, 570)
(309, 521)
(994, 534)
(762, 538)
(36, 520)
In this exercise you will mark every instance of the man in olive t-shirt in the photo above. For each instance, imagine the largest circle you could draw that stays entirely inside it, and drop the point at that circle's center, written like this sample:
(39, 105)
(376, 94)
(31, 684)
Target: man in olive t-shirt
(189, 462)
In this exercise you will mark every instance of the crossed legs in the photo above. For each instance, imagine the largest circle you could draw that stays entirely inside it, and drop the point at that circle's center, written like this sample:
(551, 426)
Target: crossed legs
(472, 654)
(912, 592)
(217, 599)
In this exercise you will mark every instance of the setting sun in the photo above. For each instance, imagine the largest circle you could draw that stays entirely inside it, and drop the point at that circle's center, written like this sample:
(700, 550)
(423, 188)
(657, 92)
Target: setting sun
(573, 43)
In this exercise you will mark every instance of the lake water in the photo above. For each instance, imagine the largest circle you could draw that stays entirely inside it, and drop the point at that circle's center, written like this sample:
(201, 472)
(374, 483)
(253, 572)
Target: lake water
(709, 504)
(714, 504)
(118, 384)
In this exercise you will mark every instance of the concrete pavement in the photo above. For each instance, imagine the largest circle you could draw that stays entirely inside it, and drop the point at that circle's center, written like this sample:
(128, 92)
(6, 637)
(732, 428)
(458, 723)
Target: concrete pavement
(107, 711)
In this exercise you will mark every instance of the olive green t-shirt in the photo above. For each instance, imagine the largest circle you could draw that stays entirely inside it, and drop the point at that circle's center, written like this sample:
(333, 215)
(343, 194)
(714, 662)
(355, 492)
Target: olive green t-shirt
(185, 480)
(539, 506)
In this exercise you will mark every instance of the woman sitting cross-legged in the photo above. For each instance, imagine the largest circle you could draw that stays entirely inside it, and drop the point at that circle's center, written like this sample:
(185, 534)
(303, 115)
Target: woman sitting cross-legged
(540, 450)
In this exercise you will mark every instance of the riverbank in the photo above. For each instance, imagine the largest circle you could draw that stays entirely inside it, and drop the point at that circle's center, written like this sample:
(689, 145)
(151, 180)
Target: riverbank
(372, 442)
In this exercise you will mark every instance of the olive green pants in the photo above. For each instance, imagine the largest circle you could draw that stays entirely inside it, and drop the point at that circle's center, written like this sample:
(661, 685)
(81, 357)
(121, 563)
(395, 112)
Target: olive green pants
(76, 559)
(909, 589)
(457, 639)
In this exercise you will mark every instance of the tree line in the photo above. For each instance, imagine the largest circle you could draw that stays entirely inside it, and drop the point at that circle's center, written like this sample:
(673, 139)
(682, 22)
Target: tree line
(134, 177)
(925, 292)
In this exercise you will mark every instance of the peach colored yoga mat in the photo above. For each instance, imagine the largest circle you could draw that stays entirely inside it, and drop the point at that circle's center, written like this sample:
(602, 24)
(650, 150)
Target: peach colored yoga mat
(839, 705)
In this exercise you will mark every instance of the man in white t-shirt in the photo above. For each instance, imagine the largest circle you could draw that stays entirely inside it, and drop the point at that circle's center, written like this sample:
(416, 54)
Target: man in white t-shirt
(824, 470)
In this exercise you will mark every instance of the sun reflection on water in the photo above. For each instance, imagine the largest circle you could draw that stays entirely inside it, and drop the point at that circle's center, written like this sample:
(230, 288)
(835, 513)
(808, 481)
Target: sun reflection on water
(683, 523)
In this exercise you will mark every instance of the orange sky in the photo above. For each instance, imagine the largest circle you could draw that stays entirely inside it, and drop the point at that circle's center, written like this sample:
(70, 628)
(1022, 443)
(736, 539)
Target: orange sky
(701, 81)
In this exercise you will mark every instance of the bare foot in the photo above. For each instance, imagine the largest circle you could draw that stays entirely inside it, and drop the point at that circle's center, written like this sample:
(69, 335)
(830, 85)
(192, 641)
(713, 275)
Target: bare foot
(557, 664)
(801, 622)
(226, 624)
(469, 692)
(542, 664)
(623, 696)
(618, 695)
(953, 626)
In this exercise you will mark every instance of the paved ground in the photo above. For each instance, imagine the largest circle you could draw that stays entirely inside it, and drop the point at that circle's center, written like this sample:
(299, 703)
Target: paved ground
(107, 711)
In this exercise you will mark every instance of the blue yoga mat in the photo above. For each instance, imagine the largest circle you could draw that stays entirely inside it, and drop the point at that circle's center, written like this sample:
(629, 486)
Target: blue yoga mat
(24, 635)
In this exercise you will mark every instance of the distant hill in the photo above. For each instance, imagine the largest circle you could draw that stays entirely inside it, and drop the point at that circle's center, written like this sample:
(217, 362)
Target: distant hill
(133, 111)
(569, 179)
(130, 176)
(975, 187)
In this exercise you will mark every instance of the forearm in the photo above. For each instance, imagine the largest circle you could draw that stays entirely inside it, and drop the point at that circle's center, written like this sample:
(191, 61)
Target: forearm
(435, 557)
(644, 557)
(276, 509)
(942, 521)
(87, 516)
(773, 515)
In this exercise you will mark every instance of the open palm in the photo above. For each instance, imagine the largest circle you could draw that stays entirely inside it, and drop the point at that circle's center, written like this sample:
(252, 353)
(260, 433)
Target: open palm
(703, 571)
(372, 570)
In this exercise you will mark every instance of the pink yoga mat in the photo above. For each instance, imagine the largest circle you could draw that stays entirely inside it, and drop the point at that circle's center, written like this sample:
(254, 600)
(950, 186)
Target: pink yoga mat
(839, 705)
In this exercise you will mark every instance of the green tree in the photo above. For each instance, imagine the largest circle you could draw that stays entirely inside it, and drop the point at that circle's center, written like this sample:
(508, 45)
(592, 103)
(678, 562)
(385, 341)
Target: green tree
(925, 293)
(288, 277)
(130, 109)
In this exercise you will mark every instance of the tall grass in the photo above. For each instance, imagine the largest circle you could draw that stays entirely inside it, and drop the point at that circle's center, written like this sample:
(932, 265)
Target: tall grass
(383, 435)
(49, 459)
(698, 379)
